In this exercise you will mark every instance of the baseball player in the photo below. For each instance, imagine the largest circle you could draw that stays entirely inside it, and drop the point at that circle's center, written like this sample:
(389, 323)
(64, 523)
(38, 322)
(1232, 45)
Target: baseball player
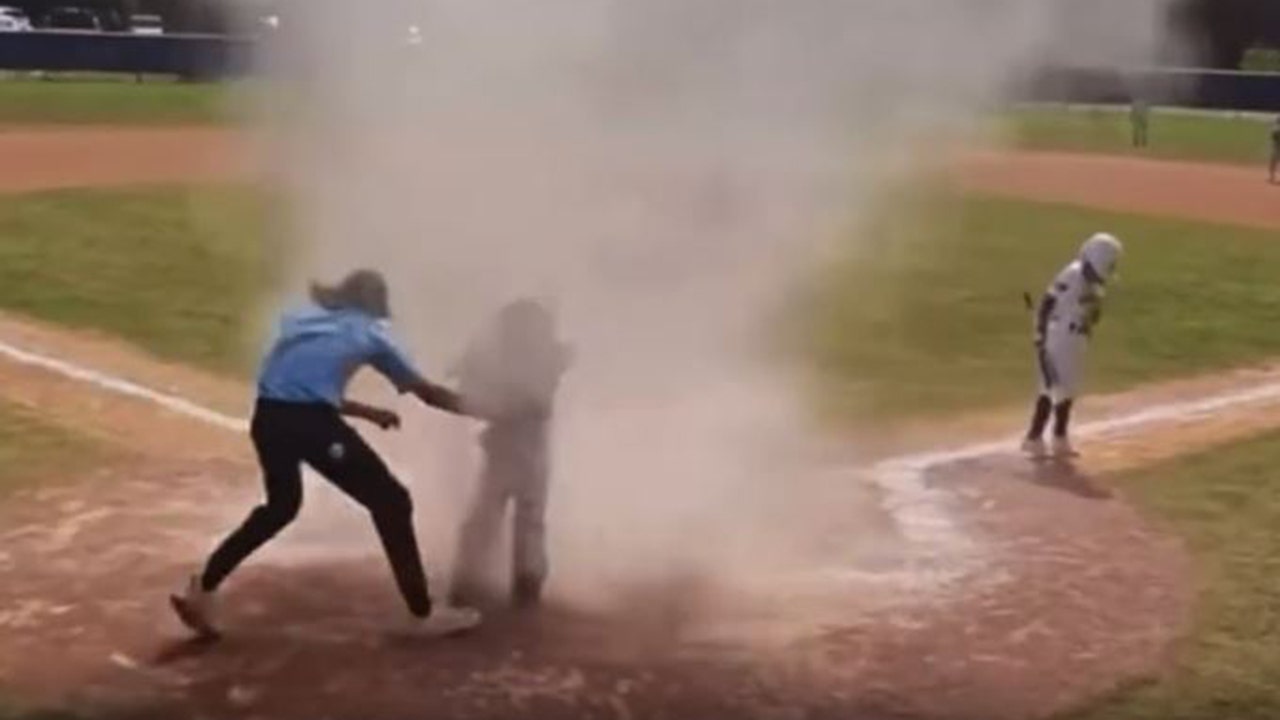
(1066, 316)
(511, 373)
(1275, 149)
(1140, 120)
(298, 419)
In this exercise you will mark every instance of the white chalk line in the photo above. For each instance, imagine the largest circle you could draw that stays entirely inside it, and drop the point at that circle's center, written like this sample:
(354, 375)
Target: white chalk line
(940, 551)
(943, 552)
(120, 386)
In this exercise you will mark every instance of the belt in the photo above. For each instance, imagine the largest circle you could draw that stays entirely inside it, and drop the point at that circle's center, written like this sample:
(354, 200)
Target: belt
(1076, 328)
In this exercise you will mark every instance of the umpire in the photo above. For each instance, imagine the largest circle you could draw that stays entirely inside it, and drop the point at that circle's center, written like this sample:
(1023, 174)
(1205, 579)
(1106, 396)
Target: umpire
(298, 419)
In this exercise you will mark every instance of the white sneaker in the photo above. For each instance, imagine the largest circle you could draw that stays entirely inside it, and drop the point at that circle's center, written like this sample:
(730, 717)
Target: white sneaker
(446, 620)
(1035, 447)
(1062, 448)
(196, 608)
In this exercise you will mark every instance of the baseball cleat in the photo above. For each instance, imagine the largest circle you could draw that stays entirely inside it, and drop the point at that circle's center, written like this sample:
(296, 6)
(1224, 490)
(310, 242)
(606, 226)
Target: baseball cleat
(1062, 448)
(445, 621)
(1035, 448)
(196, 609)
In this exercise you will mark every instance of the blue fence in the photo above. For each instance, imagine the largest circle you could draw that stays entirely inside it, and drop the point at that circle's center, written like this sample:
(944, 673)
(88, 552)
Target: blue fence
(214, 56)
(205, 56)
(1210, 89)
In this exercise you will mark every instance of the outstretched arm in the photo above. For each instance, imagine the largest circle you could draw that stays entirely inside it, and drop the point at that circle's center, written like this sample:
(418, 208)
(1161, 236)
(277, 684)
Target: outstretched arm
(437, 396)
(395, 365)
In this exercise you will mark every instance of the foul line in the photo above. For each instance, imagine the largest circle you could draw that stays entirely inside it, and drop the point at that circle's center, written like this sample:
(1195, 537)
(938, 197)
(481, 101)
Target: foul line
(120, 386)
(941, 551)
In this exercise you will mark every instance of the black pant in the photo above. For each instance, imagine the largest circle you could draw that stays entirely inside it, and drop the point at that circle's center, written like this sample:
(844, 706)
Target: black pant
(289, 434)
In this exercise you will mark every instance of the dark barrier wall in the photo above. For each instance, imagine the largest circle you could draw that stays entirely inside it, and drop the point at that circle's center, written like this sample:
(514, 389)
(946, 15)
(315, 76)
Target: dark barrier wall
(1192, 88)
(213, 56)
(205, 56)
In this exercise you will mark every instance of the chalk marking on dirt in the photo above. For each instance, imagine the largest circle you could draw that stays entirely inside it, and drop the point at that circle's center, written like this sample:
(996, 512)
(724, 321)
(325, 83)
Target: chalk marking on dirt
(940, 552)
(120, 386)
(944, 552)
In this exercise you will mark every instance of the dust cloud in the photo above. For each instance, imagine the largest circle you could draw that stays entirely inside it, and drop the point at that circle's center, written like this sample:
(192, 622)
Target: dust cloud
(666, 171)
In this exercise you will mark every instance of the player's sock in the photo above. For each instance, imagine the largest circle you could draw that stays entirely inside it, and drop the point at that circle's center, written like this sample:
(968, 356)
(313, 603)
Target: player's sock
(1040, 417)
(1061, 419)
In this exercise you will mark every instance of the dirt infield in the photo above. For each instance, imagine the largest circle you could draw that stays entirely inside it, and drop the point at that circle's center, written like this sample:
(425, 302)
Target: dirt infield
(1195, 191)
(1051, 619)
(40, 159)
(1060, 617)
(1071, 592)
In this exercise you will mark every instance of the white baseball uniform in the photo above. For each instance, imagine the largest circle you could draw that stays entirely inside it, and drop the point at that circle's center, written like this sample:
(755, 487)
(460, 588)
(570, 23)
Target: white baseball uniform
(1076, 307)
(496, 378)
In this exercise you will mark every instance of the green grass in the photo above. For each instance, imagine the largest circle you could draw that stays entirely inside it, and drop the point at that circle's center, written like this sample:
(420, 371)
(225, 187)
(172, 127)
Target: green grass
(32, 449)
(1226, 504)
(1172, 136)
(104, 102)
(931, 321)
(176, 270)
(1261, 60)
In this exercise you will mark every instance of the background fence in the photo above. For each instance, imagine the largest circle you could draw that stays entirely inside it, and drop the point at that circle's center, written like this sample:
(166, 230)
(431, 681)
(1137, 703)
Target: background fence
(194, 56)
(216, 56)
(1215, 89)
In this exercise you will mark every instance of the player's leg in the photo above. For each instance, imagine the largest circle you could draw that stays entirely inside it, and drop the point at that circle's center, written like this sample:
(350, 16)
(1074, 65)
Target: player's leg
(274, 434)
(348, 462)
(529, 532)
(479, 532)
(1066, 353)
(1033, 442)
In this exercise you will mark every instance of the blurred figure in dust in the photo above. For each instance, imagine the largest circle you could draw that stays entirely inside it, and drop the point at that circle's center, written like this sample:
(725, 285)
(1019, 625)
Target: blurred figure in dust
(510, 375)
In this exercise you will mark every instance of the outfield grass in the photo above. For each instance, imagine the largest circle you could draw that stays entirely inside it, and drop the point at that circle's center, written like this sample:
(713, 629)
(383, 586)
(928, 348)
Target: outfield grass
(103, 102)
(1226, 504)
(176, 270)
(933, 322)
(929, 324)
(1172, 136)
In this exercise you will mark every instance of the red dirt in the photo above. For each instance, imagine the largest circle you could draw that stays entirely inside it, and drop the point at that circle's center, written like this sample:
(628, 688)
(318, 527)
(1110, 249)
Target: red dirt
(1077, 597)
(1195, 191)
(41, 159)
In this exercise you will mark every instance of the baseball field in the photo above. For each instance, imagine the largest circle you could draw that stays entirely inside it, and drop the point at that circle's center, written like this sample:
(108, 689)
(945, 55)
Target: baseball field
(140, 243)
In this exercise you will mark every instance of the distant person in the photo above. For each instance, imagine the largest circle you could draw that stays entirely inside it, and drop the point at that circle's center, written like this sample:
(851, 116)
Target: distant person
(298, 419)
(511, 372)
(1140, 120)
(1275, 150)
(1064, 321)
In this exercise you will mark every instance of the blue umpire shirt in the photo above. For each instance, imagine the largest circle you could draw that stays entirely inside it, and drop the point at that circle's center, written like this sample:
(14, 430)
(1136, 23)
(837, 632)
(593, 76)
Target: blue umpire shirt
(317, 351)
